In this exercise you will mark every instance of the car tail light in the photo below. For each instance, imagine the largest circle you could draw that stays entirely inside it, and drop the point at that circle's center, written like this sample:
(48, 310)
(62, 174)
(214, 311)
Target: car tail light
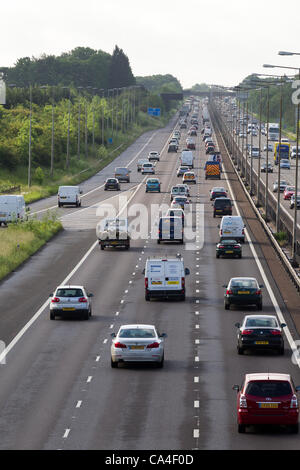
(294, 402)
(276, 332)
(120, 345)
(183, 282)
(55, 300)
(229, 292)
(243, 401)
(221, 246)
(221, 232)
(247, 332)
(146, 282)
(82, 300)
(243, 232)
(258, 292)
(153, 345)
(236, 246)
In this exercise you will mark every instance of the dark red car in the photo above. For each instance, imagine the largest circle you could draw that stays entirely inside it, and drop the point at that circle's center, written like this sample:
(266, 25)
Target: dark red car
(288, 192)
(267, 398)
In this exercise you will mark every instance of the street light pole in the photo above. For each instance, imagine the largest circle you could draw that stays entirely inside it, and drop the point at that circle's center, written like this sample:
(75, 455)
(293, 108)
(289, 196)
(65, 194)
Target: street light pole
(52, 137)
(30, 129)
(279, 157)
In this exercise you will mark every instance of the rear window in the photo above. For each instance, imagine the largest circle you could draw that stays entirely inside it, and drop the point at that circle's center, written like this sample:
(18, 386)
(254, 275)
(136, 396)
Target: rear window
(269, 388)
(248, 283)
(69, 293)
(262, 322)
(137, 333)
(222, 202)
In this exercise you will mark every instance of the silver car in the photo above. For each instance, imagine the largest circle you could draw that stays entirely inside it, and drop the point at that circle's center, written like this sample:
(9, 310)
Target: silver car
(70, 301)
(137, 343)
(283, 185)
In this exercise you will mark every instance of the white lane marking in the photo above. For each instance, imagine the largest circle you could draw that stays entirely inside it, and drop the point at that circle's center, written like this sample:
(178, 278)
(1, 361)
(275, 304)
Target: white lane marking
(265, 279)
(78, 404)
(98, 358)
(104, 341)
(67, 432)
(197, 359)
(196, 433)
(196, 404)
(89, 379)
(111, 327)
(196, 380)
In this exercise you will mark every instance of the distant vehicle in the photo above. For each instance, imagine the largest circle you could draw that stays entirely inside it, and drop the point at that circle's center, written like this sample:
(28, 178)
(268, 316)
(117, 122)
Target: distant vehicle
(141, 162)
(152, 185)
(255, 152)
(233, 228)
(267, 398)
(260, 332)
(266, 168)
(243, 291)
(229, 248)
(284, 150)
(180, 201)
(154, 156)
(285, 164)
(217, 192)
(269, 147)
(212, 170)
(189, 177)
(292, 201)
(122, 174)
(175, 213)
(113, 232)
(273, 130)
(282, 186)
(148, 168)
(182, 169)
(165, 277)
(170, 229)
(69, 301)
(294, 152)
(137, 343)
(12, 208)
(187, 158)
(69, 195)
(191, 145)
(112, 183)
(172, 147)
(288, 192)
(222, 206)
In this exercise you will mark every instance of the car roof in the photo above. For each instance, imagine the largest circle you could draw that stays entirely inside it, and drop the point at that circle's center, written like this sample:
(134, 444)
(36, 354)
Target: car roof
(66, 286)
(268, 376)
(260, 316)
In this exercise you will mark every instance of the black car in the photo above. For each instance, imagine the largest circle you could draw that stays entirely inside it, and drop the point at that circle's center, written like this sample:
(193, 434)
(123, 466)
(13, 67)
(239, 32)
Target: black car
(172, 148)
(112, 183)
(222, 206)
(260, 332)
(243, 291)
(230, 248)
(265, 168)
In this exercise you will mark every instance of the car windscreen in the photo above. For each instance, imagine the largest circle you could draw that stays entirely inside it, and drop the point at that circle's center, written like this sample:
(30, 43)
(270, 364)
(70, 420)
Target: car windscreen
(137, 333)
(268, 388)
(69, 293)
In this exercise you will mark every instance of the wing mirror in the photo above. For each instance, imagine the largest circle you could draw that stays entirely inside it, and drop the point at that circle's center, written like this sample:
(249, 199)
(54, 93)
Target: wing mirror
(236, 387)
(187, 272)
(90, 295)
(237, 325)
(113, 335)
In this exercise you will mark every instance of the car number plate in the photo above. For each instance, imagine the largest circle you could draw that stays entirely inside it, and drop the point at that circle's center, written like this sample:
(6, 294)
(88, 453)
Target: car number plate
(243, 292)
(2, 214)
(261, 342)
(228, 252)
(268, 405)
(156, 283)
(173, 282)
(63, 197)
(136, 347)
(68, 309)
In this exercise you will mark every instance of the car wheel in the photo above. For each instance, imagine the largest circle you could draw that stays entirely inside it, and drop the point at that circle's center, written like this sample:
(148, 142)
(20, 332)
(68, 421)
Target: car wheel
(227, 305)
(281, 351)
(259, 306)
(217, 256)
(241, 428)
(113, 364)
(161, 363)
(158, 241)
(86, 315)
(147, 297)
(102, 247)
(52, 316)
(240, 256)
(240, 350)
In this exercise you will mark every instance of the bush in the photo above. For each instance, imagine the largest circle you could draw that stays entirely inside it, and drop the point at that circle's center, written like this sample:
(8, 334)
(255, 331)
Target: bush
(39, 175)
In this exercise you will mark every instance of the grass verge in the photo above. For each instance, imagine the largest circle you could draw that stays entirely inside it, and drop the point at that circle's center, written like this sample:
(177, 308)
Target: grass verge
(21, 240)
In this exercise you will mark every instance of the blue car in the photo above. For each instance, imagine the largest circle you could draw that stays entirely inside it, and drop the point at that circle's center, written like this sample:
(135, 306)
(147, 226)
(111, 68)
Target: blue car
(152, 185)
(285, 164)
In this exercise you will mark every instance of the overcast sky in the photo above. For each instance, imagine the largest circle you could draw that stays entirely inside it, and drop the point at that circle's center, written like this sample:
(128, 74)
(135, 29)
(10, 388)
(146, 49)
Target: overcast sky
(212, 41)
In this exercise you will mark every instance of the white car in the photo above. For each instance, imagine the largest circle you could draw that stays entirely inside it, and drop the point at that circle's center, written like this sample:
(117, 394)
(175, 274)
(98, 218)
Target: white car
(148, 168)
(294, 151)
(283, 185)
(154, 156)
(69, 301)
(137, 343)
(141, 162)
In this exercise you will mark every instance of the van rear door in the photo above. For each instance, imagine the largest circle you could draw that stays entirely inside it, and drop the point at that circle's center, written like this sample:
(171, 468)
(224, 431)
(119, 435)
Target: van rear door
(156, 275)
(173, 273)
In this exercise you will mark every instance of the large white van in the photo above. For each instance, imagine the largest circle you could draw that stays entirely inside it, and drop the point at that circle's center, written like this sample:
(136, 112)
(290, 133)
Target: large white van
(187, 158)
(232, 227)
(12, 208)
(165, 278)
(69, 195)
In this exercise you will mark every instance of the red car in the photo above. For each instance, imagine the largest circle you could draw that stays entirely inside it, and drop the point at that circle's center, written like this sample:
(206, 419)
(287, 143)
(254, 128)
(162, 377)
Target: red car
(267, 398)
(288, 192)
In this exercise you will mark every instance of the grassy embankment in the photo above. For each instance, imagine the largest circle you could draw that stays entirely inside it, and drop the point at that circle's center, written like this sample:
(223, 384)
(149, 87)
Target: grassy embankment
(21, 240)
(79, 169)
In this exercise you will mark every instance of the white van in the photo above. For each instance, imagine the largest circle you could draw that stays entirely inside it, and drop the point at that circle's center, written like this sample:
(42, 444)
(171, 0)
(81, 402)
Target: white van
(232, 228)
(69, 195)
(12, 208)
(187, 158)
(165, 278)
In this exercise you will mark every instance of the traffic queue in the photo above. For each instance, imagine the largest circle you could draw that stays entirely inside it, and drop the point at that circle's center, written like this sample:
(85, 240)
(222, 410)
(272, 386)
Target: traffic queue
(263, 398)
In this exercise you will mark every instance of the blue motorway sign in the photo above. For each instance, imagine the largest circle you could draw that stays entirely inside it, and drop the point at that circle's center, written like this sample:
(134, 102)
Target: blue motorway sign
(154, 111)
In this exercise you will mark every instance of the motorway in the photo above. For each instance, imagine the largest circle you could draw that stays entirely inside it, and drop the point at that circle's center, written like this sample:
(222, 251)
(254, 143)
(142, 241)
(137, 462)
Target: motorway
(58, 390)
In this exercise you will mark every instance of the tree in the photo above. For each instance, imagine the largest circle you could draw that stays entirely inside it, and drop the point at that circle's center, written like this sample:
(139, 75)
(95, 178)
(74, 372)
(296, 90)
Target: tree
(120, 73)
